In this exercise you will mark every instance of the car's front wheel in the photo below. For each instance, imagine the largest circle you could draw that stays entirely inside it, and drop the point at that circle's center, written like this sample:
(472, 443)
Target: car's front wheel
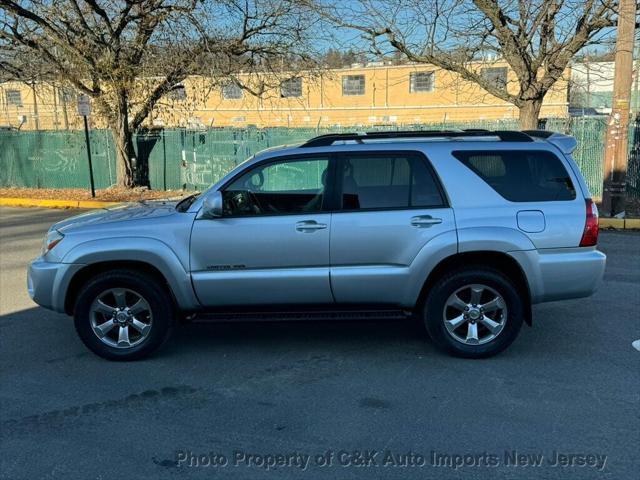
(473, 312)
(123, 315)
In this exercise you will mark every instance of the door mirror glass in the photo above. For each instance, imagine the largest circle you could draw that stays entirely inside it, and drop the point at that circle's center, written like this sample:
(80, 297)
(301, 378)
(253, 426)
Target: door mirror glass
(212, 207)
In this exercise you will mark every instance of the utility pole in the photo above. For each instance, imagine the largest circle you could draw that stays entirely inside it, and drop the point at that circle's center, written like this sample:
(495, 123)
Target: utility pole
(636, 108)
(617, 139)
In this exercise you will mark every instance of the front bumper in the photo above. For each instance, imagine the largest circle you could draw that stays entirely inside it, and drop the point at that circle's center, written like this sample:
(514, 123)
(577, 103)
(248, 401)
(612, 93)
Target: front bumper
(562, 273)
(47, 282)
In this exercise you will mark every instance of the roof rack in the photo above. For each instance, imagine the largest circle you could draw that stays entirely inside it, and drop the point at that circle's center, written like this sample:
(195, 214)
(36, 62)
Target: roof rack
(330, 138)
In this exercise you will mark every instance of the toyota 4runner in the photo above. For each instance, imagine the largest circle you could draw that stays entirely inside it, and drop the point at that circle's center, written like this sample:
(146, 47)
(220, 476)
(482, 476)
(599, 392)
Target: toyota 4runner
(464, 229)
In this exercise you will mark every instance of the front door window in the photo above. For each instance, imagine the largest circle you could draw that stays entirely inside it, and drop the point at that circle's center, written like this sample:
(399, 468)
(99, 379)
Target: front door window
(286, 187)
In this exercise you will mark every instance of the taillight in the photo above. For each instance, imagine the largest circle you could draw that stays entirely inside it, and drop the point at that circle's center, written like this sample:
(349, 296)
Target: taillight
(590, 235)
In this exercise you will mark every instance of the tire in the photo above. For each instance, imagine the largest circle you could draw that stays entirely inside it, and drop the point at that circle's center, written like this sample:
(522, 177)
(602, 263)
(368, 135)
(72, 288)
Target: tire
(493, 329)
(148, 324)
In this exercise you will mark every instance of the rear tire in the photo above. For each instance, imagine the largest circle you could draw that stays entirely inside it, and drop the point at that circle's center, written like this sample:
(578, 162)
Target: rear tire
(473, 312)
(124, 315)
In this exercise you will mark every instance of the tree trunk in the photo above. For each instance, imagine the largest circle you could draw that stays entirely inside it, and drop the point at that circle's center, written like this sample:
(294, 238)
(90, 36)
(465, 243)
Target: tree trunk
(529, 112)
(125, 156)
(125, 153)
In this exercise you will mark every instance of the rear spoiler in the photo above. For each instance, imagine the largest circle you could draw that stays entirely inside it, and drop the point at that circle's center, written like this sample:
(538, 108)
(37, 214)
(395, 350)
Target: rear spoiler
(566, 143)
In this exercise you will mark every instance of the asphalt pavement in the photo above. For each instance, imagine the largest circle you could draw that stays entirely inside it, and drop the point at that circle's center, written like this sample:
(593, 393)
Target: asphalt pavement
(321, 400)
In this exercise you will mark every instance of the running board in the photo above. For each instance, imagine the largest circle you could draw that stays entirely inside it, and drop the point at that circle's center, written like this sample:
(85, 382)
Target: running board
(301, 316)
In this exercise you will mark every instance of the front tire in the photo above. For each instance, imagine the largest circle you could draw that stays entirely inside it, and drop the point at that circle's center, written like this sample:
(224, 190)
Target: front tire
(473, 312)
(123, 315)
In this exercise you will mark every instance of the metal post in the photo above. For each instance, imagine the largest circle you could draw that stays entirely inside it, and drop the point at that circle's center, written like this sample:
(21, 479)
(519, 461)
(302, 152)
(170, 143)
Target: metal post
(65, 115)
(55, 106)
(164, 159)
(86, 137)
(36, 119)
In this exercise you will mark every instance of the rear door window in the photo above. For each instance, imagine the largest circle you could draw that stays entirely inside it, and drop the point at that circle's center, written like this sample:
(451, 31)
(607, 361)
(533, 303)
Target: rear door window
(521, 175)
(387, 180)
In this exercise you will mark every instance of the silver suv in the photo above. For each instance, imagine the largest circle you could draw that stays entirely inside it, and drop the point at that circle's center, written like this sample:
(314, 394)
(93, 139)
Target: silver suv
(464, 229)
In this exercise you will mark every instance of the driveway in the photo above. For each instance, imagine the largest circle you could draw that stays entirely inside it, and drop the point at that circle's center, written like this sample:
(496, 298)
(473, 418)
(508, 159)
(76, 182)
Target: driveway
(321, 400)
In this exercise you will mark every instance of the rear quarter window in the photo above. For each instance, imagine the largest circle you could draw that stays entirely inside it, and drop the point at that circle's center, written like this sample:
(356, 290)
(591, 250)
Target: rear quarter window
(521, 175)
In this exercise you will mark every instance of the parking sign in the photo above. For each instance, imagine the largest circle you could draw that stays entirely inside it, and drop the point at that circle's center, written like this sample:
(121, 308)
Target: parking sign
(84, 105)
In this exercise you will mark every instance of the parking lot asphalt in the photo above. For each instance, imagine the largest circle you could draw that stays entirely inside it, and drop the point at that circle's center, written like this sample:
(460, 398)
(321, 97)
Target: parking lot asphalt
(325, 396)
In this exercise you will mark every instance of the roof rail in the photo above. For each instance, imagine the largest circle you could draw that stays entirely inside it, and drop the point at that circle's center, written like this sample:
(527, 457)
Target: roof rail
(330, 138)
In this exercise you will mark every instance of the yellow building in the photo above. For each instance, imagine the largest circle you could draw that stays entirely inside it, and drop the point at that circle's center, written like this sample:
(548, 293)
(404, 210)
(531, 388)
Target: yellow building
(375, 94)
(38, 106)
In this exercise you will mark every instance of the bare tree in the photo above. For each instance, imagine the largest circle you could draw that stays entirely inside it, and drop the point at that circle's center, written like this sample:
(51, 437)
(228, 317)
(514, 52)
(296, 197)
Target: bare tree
(536, 38)
(127, 54)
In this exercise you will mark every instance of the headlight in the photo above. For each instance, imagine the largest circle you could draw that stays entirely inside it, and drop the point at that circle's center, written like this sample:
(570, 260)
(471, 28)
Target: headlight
(51, 240)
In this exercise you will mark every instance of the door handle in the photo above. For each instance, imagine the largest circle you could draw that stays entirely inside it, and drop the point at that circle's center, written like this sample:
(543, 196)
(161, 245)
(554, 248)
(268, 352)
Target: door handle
(309, 226)
(424, 221)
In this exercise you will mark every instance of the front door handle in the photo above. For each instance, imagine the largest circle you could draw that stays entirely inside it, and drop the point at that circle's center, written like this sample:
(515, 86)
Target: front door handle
(424, 221)
(309, 226)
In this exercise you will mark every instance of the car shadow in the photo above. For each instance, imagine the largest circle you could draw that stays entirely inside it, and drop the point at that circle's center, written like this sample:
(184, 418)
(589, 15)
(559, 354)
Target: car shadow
(51, 333)
(330, 334)
(189, 338)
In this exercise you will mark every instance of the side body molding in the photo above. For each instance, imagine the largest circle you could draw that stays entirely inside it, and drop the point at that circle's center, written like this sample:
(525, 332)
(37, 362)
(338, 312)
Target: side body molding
(495, 239)
(152, 251)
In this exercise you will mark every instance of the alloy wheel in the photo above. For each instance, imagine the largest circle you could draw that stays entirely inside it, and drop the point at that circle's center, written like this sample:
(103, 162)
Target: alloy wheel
(475, 314)
(120, 318)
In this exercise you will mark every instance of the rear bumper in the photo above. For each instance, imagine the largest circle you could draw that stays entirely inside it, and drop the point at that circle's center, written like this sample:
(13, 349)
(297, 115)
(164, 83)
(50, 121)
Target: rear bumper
(563, 273)
(47, 282)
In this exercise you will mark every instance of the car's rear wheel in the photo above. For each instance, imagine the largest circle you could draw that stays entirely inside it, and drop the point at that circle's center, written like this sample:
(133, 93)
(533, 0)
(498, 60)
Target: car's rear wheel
(473, 312)
(123, 315)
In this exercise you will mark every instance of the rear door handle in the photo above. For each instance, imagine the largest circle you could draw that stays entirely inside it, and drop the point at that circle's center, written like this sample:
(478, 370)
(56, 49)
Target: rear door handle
(424, 221)
(309, 226)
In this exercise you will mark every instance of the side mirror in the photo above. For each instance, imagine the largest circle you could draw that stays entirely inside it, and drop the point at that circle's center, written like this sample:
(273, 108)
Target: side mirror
(212, 206)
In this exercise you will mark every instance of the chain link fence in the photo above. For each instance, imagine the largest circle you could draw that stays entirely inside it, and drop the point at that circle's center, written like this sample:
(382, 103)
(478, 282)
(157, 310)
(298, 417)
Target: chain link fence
(192, 160)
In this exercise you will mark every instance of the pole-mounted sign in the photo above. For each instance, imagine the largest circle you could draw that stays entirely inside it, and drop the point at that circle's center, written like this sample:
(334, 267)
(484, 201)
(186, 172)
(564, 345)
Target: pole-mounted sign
(84, 109)
(84, 105)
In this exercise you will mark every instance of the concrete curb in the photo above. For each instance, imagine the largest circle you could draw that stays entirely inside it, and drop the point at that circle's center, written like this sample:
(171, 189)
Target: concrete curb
(617, 223)
(34, 202)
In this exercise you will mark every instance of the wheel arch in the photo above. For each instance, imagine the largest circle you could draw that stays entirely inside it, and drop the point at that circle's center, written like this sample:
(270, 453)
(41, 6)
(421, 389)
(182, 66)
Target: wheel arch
(148, 255)
(90, 271)
(500, 261)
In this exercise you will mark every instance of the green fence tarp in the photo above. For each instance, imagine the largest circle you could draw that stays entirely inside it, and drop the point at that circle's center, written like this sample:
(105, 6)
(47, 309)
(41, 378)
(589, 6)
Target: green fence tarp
(193, 160)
